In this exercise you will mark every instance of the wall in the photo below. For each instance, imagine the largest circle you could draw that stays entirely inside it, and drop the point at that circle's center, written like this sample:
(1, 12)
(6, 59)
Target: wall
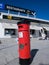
(1, 31)
(7, 26)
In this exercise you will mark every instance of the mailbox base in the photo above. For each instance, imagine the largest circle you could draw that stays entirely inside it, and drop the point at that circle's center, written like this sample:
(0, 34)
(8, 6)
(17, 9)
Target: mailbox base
(24, 61)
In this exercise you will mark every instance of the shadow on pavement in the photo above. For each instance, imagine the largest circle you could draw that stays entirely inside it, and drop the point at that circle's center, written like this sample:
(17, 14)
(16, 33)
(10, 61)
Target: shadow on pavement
(33, 53)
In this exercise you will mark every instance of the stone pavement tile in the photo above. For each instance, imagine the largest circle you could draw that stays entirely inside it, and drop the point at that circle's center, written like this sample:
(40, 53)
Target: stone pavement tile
(14, 62)
(2, 59)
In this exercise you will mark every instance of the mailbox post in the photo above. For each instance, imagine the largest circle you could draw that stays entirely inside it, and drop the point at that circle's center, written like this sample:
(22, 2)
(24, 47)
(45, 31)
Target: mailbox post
(24, 42)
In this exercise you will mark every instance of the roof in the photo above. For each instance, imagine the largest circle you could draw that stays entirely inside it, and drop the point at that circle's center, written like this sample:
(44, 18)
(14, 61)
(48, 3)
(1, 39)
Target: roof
(31, 19)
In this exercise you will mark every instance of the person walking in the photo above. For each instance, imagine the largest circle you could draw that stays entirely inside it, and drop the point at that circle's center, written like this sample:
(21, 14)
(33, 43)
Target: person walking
(43, 33)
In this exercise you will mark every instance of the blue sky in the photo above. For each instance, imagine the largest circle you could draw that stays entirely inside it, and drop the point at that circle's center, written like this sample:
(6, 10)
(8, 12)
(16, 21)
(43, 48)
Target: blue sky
(40, 6)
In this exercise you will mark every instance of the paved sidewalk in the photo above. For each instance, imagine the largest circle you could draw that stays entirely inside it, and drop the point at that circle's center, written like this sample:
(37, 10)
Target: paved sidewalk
(39, 52)
(41, 58)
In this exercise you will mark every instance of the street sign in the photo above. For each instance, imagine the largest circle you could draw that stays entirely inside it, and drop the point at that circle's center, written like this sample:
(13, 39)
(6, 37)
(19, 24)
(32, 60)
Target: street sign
(11, 17)
(18, 9)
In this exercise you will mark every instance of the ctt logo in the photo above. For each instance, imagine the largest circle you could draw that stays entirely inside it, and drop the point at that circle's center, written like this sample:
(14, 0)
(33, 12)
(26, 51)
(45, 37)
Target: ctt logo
(1, 6)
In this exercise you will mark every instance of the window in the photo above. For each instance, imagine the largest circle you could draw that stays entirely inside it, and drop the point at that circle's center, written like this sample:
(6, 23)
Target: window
(32, 31)
(0, 13)
(10, 31)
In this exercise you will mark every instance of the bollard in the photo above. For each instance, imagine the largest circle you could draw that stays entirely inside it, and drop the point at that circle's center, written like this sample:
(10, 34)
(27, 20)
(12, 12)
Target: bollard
(24, 42)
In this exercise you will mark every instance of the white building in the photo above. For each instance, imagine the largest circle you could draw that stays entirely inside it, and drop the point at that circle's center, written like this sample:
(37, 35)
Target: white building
(8, 27)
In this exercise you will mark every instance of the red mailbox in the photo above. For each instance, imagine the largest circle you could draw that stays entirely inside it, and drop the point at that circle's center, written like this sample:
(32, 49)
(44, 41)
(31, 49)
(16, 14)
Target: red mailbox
(24, 42)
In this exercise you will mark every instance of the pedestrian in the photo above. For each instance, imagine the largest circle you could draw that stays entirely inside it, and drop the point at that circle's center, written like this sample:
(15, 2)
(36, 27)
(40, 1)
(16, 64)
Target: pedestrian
(42, 31)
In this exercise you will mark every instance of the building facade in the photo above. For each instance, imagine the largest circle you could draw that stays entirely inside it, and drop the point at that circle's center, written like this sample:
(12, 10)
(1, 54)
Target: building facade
(8, 26)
